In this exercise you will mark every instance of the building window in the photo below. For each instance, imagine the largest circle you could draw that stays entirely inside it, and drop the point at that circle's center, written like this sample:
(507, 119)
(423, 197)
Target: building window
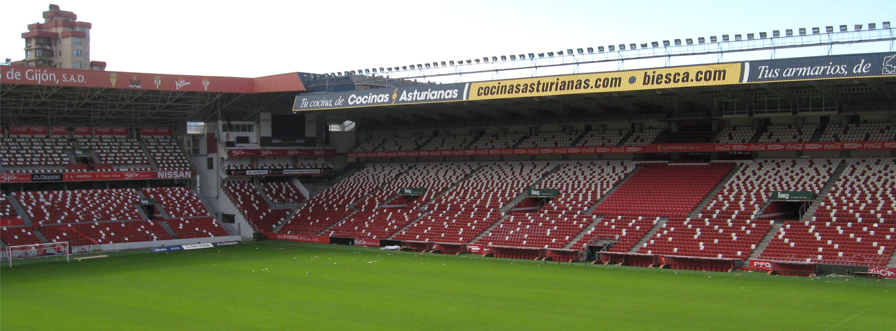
(29, 54)
(76, 65)
(77, 53)
(76, 41)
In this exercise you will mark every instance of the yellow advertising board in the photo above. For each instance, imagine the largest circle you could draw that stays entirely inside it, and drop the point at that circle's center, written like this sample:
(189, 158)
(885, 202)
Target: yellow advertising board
(619, 81)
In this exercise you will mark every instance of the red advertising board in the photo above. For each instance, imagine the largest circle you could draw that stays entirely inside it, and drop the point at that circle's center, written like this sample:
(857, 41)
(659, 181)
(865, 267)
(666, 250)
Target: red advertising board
(144, 132)
(28, 131)
(882, 272)
(477, 249)
(81, 131)
(298, 237)
(101, 176)
(58, 131)
(760, 265)
(367, 242)
(147, 81)
(659, 148)
(280, 152)
(15, 178)
(103, 131)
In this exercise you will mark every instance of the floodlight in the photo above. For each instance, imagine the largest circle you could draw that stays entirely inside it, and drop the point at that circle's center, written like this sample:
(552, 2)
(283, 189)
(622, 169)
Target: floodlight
(540, 54)
(887, 25)
(816, 30)
(666, 43)
(738, 37)
(632, 46)
(689, 41)
(802, 31)
(503, 57)
(513, 57)
(677, 42)
(858, 27)
(654, 44)
(789, 32)
(621, 47)
(531, 55)
(569, 51)
(829, 29)
(750, 36)
(842, 27)
(444, 64)
(590, 50)
(763, 35)
(611, 48)
(701, 40)
(872, 26)
(551, 54)
(580, 51)
(713, 39)
(643, 45)
(725, 37)
(600, 49)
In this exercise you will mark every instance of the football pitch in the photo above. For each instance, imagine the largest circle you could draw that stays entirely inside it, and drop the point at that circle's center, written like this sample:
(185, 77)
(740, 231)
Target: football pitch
(275, 285)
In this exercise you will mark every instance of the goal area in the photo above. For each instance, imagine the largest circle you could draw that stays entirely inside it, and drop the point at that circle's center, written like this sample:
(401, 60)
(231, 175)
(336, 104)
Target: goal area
(57, 250)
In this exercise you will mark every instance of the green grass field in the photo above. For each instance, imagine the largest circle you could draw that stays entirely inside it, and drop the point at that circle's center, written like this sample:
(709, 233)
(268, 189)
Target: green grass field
(272, 285)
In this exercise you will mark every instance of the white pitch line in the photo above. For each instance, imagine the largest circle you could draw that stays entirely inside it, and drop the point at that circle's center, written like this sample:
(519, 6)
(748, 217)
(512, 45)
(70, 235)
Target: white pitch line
(846, 320)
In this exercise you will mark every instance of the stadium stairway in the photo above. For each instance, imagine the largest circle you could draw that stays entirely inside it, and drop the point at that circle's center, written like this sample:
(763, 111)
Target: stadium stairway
(448, 189)
(625, 138)
(822, 195)
(584, 232)
(892, 262)
(714, 192)
(21, 211)
(519, 198)
(578, 139)
(489, 229)
(649, 234)
(765, 241)
(149, 156)
(167, 228)
(422, 215)
(327, 229)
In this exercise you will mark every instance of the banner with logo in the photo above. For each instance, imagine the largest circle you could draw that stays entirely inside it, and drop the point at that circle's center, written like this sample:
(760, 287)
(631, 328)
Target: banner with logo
(81, 131)
(272, 172)
(405, 95)
(367, 242)
(882, 272)
(28, 131)
(94, 176)
(145, 132)
(761, 265)
(280, 152)
(58, 131)
(821, 67)
(630, 80)
(659, 148)
(477, 249)
(103, 131)
(298, 237)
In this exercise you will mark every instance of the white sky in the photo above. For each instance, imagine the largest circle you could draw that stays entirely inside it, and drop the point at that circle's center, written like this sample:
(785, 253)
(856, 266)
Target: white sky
(262, 37)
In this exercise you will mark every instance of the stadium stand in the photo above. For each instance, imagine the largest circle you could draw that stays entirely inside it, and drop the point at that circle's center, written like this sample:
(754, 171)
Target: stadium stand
(176, 201)
(854, 223)
(47, 207)
(403, 144)
(282, 192)
(643, 138)
(608, 138)
(374, 224)
(37, 152)
(494, 141)
(110, 232)
(712, 238)
(550, 139)
(166, 153)
(253, 205)
(448, 142)
(116, 151)
(196, 227)
(735, 135)
(625, 230)
(788, 134)
(663, 190)
(859, 132)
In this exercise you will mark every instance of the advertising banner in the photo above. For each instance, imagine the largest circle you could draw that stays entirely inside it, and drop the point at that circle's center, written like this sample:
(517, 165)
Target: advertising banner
(94, 176)
(81, 131)
(286, 142)
(405, 95)
(761, 265)
(280, 152)
(58, 131)
(793, 196)
(821, 67)
(144, 132)
(477, 249)
(882, 272)
(15, 178)
(298, 237)
(102, 131)
(367, 242)
(630, 80)
(128, 80)
(28, 131)
(659, 148)
(542, 193)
